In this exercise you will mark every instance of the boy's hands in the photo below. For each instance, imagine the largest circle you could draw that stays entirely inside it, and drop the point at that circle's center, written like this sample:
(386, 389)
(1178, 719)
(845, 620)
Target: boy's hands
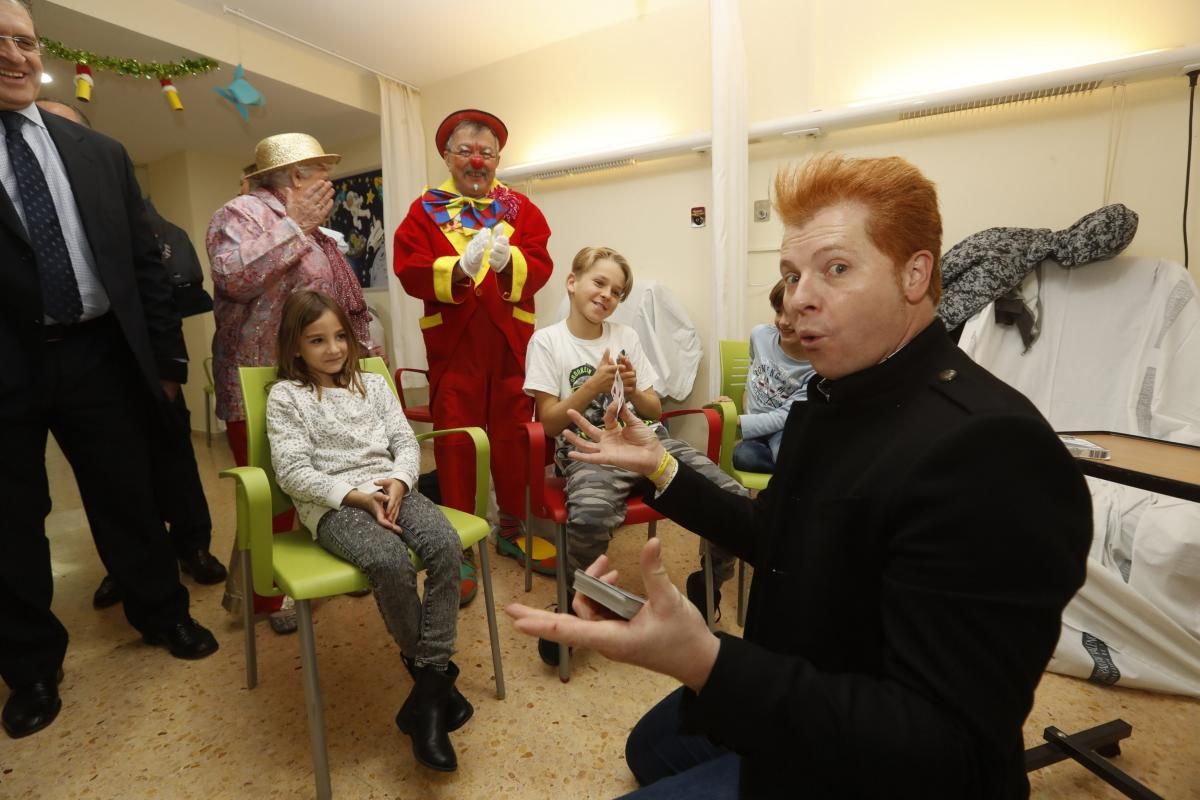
(628, 374)
(601, 382)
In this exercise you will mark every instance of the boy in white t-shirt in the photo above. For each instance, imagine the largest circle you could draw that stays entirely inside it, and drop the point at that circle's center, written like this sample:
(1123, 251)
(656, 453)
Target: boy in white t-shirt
(577, 364)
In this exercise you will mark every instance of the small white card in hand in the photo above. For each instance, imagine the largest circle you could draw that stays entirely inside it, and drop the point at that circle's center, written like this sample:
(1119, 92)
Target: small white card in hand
(622, 603)
(618, 388)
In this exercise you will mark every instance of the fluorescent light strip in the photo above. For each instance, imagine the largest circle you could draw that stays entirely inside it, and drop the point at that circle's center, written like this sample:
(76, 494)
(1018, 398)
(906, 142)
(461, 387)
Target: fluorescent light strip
(1143, 66)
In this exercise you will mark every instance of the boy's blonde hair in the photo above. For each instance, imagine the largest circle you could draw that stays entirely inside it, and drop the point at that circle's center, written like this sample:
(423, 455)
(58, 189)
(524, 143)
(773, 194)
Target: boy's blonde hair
(586, 258)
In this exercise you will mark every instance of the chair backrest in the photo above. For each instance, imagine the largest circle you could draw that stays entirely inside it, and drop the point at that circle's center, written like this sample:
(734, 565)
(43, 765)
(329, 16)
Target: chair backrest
(735, 366)
(256, 384)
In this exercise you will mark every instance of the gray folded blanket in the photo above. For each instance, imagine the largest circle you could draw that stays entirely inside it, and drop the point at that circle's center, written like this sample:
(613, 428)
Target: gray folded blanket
(991, 264)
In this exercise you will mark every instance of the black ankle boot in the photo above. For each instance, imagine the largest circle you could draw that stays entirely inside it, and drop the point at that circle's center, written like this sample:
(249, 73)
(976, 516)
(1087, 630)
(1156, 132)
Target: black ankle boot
(423, 718)
(458, 708)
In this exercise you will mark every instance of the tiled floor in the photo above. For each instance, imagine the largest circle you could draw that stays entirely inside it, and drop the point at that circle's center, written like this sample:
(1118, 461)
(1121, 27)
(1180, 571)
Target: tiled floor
(139, 724)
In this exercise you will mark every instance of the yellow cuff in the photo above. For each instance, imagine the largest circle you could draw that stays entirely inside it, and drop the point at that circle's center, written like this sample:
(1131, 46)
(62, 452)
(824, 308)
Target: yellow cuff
(443, 278)
(520, 271)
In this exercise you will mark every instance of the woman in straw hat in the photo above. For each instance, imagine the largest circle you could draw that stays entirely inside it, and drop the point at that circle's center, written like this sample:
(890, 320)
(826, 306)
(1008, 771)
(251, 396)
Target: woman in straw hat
(263, 245)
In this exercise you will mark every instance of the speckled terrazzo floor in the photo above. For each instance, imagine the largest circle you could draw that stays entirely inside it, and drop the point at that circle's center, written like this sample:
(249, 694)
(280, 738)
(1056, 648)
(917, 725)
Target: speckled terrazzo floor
(138, 724)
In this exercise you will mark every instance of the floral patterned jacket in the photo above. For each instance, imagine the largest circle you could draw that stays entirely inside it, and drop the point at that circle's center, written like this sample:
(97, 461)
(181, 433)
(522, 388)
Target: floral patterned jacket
(259, 256)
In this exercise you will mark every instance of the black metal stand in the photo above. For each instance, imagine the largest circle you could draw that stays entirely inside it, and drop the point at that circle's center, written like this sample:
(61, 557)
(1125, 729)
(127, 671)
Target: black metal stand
(1091, 748)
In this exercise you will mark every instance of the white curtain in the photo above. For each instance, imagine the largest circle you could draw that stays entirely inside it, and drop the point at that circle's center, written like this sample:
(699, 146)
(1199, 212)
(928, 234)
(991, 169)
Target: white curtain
(730, 167)
(403, 146)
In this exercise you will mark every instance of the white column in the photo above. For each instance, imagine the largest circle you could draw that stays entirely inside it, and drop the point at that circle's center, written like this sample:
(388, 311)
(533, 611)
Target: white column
(730, 165)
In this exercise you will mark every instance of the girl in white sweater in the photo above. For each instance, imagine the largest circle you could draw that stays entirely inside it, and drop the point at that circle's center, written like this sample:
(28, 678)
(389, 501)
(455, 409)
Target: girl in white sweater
(344, 452)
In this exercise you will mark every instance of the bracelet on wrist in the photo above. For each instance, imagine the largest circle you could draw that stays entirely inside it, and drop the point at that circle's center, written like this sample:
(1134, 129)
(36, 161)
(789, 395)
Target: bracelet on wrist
(666, 460)
(668, 475)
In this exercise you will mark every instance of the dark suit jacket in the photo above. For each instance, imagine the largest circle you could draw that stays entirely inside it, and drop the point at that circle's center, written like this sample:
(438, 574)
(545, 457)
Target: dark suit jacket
(127, 260)
(913, 553)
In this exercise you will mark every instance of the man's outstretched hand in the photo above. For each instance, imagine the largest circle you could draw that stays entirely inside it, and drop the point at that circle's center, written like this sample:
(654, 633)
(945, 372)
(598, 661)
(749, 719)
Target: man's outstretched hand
(633, 447)
(668, 635)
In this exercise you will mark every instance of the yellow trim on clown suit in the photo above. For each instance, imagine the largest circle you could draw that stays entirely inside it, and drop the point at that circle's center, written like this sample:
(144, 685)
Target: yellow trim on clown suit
(431, 321)
(443, 278)
(520, 271)
(524, 316)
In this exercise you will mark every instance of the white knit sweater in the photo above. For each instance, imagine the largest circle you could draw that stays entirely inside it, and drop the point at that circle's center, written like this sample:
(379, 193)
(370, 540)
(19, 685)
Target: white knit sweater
(323, 448)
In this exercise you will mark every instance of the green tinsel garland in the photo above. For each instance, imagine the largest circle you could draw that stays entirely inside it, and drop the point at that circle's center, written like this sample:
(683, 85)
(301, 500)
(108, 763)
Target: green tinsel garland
(130, 66)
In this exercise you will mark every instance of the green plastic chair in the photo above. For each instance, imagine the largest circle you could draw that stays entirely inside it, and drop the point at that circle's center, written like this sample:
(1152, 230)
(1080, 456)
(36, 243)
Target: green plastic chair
(210, 391)
(294, 564)
(735, 366)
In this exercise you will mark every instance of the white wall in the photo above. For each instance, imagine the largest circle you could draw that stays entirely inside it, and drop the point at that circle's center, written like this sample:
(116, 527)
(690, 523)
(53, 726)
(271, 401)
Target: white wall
(1040, 164)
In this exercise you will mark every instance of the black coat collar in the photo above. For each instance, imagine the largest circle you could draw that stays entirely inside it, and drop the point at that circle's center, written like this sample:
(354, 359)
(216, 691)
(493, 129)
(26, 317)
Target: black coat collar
(907, 369)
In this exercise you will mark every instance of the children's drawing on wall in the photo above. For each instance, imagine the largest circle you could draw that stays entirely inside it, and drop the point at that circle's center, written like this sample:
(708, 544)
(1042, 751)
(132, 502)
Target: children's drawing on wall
(358, 215)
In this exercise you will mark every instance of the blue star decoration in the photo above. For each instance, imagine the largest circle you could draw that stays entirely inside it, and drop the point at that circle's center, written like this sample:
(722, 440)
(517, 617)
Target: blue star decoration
(241, 93)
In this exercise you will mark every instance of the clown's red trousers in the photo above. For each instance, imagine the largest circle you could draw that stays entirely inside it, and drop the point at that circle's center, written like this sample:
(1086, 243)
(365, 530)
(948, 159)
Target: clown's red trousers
(481, 385)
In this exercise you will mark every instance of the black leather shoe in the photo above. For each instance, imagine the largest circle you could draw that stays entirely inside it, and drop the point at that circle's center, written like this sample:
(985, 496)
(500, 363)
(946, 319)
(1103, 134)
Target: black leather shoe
(203, 567)
(32, 707)
(188, 639)
(548, 651)
(108, 594)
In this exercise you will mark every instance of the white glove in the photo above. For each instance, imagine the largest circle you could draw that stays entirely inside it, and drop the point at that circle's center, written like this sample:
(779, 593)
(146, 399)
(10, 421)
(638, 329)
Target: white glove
(472, 258)
(501, 250)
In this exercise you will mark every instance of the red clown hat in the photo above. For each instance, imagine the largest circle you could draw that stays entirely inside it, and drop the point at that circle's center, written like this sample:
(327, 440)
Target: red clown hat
(489, 121)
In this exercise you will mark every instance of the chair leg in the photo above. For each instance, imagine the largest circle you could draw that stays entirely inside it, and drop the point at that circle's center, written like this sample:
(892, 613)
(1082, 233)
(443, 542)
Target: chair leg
(528, 546)
(651, 529)
(741, 605)
(208, 418)
(564, 653)
(312, 700)
(710, 615)
(490, 605)
(248, 620)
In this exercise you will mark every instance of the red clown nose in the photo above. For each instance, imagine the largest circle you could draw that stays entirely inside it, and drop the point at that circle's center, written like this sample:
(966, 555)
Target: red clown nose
(477, 162)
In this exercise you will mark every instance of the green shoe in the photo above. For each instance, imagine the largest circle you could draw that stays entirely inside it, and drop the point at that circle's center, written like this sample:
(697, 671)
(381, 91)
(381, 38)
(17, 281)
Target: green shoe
(468, 583)
(544, 553)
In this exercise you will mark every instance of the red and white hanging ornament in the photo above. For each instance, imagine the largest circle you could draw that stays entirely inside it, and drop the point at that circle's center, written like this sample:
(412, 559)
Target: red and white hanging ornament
(172, 94)
(83, 82)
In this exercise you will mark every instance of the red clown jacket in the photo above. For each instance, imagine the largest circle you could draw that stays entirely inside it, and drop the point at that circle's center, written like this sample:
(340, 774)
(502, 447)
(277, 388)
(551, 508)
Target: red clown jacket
(425, 256)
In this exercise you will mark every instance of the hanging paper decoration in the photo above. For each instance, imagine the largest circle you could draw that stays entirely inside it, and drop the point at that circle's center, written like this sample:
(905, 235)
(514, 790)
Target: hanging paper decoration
(83, 83)
(172, 94)
(241, 93)
(129, 67)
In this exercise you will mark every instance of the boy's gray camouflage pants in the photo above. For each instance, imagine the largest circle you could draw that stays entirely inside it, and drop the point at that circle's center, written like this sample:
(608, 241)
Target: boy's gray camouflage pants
(596, 497)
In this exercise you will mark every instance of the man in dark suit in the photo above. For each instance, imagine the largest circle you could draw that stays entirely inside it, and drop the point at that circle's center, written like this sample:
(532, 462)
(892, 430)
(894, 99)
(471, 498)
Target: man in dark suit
(913, 552)
(93, 349)
(177, 485)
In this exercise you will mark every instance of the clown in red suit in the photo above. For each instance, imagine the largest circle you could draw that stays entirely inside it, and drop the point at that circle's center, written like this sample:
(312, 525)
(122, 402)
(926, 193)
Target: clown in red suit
(475, 252)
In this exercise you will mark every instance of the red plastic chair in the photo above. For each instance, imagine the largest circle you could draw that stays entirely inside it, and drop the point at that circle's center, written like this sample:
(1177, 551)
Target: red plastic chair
(547, 500)
(414, 413)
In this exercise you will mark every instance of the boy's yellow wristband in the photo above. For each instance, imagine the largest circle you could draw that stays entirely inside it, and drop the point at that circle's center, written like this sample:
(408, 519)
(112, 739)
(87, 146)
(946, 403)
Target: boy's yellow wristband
(661, 468)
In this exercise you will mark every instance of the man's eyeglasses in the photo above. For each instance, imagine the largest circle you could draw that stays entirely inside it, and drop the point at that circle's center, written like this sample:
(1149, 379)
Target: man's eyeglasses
(25, 44)
(465, 155)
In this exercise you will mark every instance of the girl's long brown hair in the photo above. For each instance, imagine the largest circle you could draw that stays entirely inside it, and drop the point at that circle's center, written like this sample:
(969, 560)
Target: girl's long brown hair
(300, 310)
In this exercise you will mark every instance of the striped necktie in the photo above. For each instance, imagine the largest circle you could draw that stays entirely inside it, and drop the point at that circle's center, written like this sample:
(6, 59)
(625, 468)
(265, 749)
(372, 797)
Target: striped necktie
(60, 291)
